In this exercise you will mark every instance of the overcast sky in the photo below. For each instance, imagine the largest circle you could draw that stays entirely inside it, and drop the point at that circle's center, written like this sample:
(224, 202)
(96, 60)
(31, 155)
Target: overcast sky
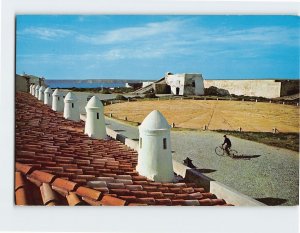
(145, 47)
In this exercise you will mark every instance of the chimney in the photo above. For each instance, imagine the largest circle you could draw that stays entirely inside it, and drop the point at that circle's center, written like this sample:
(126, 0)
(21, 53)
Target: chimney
(36, 92)
(33, 90)
(71, 109)
(48, 96)
(30, 88)
(57, 101)
(41, 93)
(155, 155)
(95, 124)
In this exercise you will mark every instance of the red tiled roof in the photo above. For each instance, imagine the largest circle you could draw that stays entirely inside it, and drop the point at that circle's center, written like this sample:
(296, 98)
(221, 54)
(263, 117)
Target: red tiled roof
(56, 164)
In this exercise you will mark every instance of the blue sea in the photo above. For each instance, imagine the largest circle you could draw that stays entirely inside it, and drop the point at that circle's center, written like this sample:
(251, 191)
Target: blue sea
(83, 84)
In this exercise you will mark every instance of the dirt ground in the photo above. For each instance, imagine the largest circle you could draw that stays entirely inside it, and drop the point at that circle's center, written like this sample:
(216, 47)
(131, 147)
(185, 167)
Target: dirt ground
(216, 115)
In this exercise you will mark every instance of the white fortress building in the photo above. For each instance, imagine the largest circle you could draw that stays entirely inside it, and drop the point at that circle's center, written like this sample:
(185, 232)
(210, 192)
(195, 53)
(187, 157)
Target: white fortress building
(155, 155)
(185, 84)
(48, 96)
(57, 101)
(95, 123)
(71, 109)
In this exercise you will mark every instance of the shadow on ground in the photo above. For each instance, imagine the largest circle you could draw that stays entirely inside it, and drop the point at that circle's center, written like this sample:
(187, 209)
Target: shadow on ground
(189, 163)
(205, 170)
(246, 157)
(119, 130)
(272, 201)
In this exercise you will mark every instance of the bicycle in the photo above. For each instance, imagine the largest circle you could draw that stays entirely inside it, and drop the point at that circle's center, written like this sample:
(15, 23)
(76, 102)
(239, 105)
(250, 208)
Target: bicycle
(221, 152)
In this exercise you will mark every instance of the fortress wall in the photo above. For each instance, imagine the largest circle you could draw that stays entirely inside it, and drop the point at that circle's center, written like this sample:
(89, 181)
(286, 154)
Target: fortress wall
(22, 83)
(289, 87)
(263, 88)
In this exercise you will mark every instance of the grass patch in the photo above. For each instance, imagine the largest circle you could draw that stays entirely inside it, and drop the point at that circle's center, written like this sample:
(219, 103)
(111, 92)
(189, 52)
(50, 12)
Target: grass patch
(283, 140)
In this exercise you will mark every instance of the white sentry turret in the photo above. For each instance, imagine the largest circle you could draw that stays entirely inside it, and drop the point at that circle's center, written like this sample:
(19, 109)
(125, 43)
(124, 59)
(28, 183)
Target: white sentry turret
(57, 101)
(36, 91)
(41, 93)
(71, 109)
(95, 123)
(155, 155)
(48, 96)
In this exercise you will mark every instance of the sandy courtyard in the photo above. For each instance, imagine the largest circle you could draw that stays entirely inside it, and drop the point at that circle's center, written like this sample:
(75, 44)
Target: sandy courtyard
(226, 115)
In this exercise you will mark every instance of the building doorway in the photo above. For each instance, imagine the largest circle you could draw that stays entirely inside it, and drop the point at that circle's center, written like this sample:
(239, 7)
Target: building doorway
(177, 90)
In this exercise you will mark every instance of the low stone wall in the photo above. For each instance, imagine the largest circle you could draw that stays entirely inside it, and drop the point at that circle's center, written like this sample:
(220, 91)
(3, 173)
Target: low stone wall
(263, 88)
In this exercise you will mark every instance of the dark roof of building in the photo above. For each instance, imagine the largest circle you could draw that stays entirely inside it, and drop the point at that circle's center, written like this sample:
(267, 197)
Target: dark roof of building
(57, 164)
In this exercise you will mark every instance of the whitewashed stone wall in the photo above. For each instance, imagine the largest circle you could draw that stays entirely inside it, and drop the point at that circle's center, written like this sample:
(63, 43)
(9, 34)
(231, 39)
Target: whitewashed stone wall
(263, 88)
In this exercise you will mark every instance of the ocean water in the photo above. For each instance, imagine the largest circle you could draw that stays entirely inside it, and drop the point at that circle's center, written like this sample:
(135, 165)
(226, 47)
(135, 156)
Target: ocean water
(70, 84)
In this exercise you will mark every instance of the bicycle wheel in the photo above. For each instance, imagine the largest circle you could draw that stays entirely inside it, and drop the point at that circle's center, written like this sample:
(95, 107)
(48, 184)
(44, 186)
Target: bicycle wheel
(219, 151)
(233, 153)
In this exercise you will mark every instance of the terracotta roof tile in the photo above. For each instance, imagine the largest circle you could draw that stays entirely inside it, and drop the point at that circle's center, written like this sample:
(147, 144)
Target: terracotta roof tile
(112, 201)
(205, 202)
(97, 184)
(209, 195)
(116, 185)
(61, 191)
(103, 190)
(146, 200)
(21, 197)
(218, 202)
(65, 184)
(178, 202)
(73, 199)
(48, 195)
(25, 169)
(134, 187)
(89, 193)
(19, 180)
(34, 181)
(129, 199)
(156, 194)
(137, 204)
(197, 195)
(91, 201)
(165, 201)
(41, 176)
(125, 182)
(120, 192)
(139, 193)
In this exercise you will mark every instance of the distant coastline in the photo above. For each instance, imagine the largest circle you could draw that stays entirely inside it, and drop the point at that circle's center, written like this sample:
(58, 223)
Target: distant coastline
(91, 83)
(113, 83)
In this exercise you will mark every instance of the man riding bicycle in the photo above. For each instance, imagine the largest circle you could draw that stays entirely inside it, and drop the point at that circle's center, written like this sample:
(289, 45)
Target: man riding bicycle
(227, 144)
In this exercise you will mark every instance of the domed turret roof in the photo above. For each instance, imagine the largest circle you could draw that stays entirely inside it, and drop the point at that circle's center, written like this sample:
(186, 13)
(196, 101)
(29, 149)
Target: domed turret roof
(155, 121)
(37, 87)
(71, 97)
(57, 93)
(48, 90)
(94, 102)
(42, 88)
